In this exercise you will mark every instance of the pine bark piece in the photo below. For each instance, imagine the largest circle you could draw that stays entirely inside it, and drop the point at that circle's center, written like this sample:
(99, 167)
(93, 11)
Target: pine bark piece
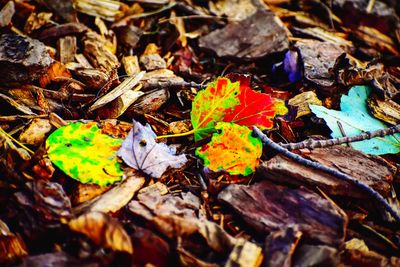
(318, 58)
(97, 54)
(67, 49)
(62, 8)
(58, 31)
(22, 59)
(256, 36)
(280, 246)
(373, 170)
(310, 255)
(149, 102)
(267, 207)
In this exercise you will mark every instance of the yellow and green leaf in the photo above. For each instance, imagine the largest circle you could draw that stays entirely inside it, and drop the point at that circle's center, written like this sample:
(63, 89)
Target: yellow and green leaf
(85, 154)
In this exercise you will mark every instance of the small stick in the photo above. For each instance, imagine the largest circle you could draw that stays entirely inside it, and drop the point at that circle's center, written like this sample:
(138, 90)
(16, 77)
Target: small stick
(370, 6)
(361, 185)
(310, 143)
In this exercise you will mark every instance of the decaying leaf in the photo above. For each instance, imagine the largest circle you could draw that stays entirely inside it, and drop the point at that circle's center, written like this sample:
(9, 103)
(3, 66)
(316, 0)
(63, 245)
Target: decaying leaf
(85, 154)
(355, 119)
(234, 150)
(36, 132)
(301, 101)
(140, 151)
(103, 230)
(384, 109)
(12, 246)
(114, 199)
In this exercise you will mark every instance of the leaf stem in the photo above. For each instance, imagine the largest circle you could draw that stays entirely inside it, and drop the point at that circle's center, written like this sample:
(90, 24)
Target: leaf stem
(359, 184)
(176, 135)
(310, 143)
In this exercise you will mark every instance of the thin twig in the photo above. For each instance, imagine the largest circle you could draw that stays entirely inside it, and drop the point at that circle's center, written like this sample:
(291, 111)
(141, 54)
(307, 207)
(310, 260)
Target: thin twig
(361, 185)
(310, 143)
(370, 6)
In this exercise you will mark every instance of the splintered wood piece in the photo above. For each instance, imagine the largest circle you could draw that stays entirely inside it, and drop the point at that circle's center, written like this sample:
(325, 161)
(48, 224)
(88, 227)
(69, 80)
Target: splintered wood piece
(118, 106)
(109, 10)
(372, 170)
(58, 31)
(19, 106)
(81, 59)
(318, 58)
(6, 14)
(92, 78)
(131, 65)
(95, 50)
(125, 86)
(267, 207)
(149, 102)
(67, 49)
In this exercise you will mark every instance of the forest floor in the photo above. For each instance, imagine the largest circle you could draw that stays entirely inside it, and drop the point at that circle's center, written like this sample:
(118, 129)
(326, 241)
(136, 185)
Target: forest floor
(199, 133)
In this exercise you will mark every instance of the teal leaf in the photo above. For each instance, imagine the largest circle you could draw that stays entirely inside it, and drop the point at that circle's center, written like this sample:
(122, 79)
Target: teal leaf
(356, 119)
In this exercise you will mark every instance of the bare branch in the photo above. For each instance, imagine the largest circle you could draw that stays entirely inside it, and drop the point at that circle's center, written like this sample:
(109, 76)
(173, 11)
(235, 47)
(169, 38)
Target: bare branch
(340, 175)
(310, 143)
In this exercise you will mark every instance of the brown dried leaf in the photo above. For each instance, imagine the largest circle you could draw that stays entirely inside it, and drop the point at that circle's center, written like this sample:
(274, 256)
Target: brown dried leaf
(301, 101)
(384, 109)
(114, 199)
(12, 247)
(36, 132)
(103, 230)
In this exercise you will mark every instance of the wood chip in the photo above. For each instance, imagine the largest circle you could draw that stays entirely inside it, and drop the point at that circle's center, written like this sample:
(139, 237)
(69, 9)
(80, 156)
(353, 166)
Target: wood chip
(267, 207)
(96, 52)
(6, 14)
(67, 49)
(258, 35)
(372, 170)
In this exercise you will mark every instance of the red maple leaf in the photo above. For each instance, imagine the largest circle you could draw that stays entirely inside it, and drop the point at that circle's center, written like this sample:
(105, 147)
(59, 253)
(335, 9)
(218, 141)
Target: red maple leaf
(255, 109)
